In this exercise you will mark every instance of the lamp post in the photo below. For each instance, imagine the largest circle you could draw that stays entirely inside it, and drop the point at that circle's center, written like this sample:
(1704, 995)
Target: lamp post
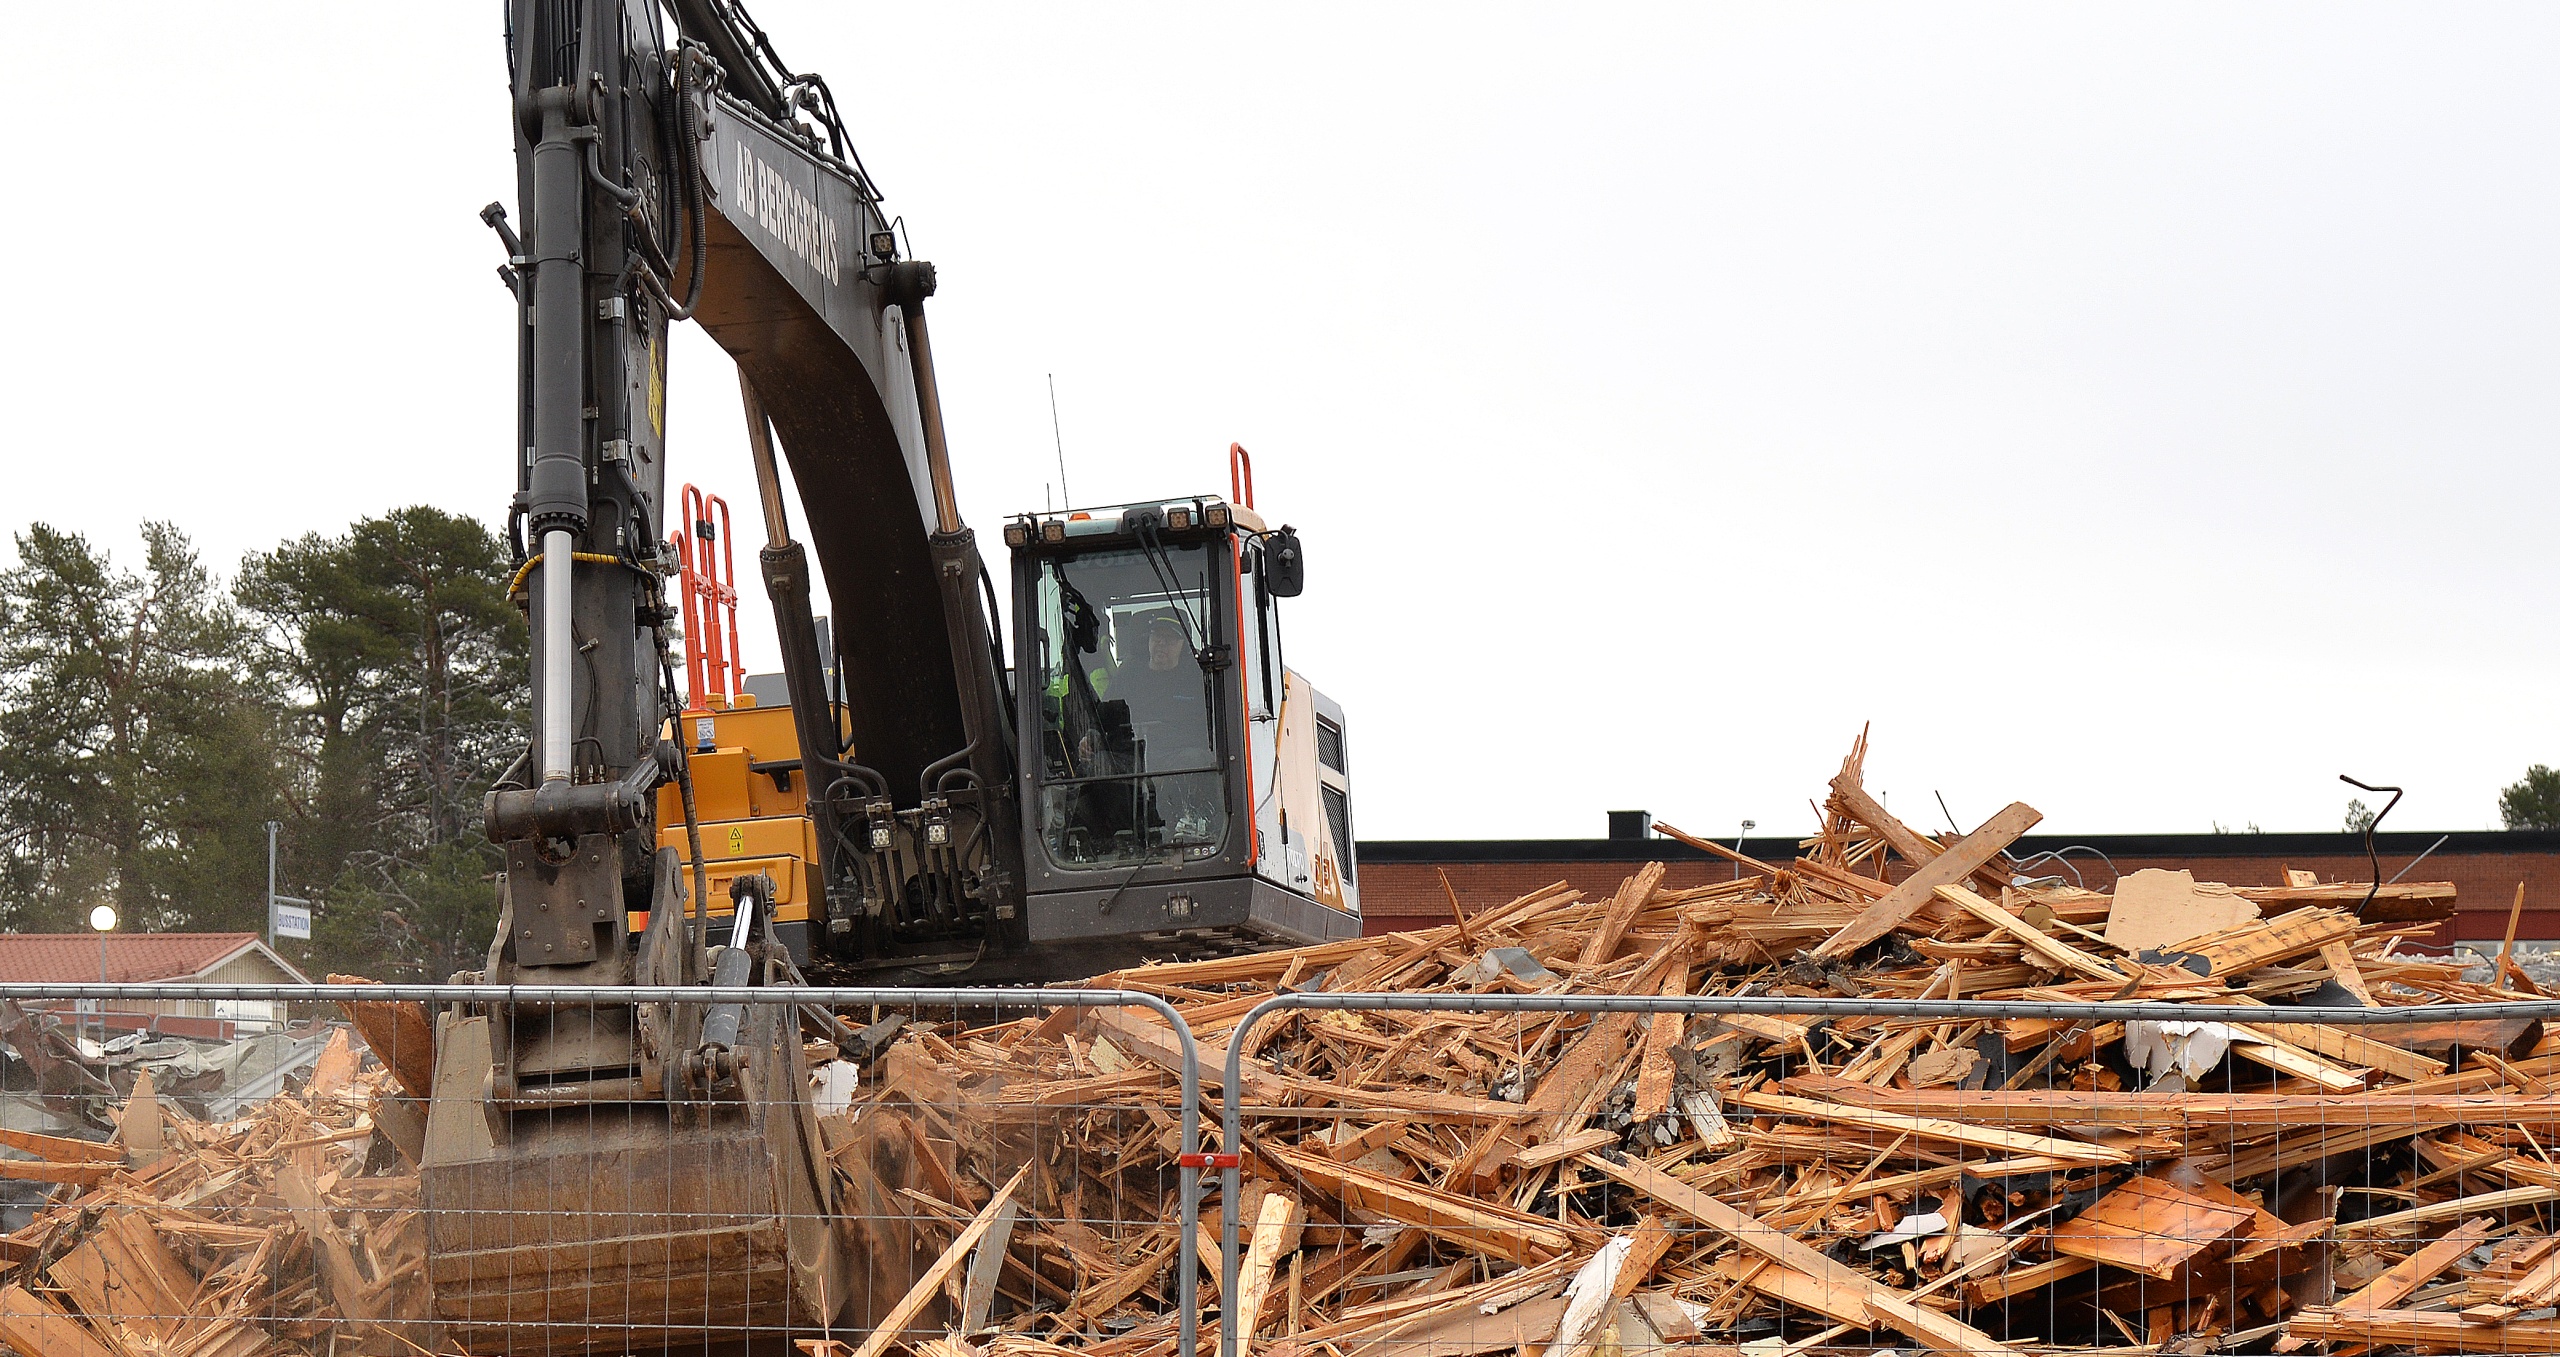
(1747, 827)
(103, 919)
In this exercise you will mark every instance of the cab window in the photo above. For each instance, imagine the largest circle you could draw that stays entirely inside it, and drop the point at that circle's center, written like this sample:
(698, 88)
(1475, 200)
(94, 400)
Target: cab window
(1129, 754)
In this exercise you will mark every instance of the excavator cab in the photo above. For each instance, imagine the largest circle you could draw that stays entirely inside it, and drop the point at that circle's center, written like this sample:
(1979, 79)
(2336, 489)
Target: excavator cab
(1181, 786)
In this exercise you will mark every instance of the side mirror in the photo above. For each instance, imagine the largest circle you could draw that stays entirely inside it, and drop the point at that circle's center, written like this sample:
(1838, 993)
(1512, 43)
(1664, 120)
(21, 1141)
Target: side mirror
(1284, 564)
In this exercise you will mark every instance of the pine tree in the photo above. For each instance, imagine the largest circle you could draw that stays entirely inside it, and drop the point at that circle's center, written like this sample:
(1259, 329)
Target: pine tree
(407, 669)
(137, 754)
(2532, 802)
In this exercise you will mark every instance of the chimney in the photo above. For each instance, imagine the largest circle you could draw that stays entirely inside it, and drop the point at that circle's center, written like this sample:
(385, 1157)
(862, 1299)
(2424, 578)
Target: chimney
(1631, 824)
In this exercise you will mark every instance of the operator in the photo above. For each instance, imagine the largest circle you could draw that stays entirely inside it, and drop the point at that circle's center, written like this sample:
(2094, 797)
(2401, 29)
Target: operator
(1169, 714)
(1164, 697)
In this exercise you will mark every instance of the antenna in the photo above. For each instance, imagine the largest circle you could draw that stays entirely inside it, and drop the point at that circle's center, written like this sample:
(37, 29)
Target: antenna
(1056, 433)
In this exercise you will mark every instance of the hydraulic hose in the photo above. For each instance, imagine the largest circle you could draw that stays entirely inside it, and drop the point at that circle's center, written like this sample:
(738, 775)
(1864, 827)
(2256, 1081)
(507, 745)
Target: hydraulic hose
(700, 912)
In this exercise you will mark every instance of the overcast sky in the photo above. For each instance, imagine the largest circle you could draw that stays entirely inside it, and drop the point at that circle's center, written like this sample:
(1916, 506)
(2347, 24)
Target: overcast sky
(2143, 412)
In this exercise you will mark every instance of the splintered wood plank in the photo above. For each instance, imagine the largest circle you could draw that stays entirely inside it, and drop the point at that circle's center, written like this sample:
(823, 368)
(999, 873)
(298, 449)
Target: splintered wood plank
(1844, 1286)
(1273, 1228)
(1653, 1072)
(401, 1035)
(1574, 1087)
(930, 1282)
(2401, 1278)
(2148, 1226)
(1947, 869)
(1849, 784)
(1464, 1221)
(1651, 1239)
(1877, 1304)
(356, 1298)
(1633, 893)
(1463, 1331)
(336, 1067)
(2282, 1057)
(2396, 902)
(2238, 950)
(37, 1171)
(2513, 1038)
(1947, 1065)
(1584, 1066)
(1378, 1327)
(978, 1295)
(1557, 1151)
(122, 1276)
(2462, 1206)
(1936, 1128)
(61, 1149)
(35, 1326)
(1101, 1297)
(1831, 1298)
(2340, 958)
(1777, 1031)
(1832, 1289)
(2339, 1043)
(2394, 1110)
(2537, 1286)
(138, 1125)
(2043, 944)
(2428, 1330)
(1934, 1330)
(2018, 1281)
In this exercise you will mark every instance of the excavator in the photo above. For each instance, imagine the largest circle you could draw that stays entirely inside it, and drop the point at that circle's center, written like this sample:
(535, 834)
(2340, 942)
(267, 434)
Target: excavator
(1133, 773)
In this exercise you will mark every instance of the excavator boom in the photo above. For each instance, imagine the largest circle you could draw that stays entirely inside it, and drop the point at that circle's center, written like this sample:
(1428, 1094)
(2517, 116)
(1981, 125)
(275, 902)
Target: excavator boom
(619, 1176)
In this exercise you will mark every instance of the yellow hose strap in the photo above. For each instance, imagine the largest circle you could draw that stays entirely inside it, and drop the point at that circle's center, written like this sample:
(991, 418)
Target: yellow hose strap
(515, 587)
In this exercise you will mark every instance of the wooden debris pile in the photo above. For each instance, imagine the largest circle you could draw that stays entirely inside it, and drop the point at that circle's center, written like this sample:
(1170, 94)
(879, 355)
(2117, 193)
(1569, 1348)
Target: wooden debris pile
(291, 1230)
(1442, 1184)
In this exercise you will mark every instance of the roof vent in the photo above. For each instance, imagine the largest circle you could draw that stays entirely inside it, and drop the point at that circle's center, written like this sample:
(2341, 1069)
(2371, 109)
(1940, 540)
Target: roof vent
(1631, 824)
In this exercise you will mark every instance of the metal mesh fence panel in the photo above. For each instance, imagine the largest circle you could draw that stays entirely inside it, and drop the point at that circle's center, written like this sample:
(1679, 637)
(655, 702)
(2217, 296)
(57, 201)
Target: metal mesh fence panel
(1018, 1174)
(483, 1170)
(1453, 1174)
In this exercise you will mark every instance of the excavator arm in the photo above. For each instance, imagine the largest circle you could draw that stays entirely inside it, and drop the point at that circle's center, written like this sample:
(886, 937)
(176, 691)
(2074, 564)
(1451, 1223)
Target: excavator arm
(614, 1176)
(687, 174)
(587, 1162)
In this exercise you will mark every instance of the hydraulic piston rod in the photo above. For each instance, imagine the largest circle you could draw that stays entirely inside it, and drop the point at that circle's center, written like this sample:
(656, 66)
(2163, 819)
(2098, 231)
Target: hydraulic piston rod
(557, 645)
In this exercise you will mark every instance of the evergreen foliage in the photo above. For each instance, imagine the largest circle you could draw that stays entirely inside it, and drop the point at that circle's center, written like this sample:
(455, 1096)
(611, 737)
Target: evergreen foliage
(363, 689)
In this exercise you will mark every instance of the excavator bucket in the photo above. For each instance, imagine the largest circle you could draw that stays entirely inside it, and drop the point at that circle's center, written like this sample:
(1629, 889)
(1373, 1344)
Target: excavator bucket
(633, 1227)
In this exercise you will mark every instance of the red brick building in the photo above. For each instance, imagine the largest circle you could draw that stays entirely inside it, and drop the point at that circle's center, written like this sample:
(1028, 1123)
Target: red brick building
(1400, 881)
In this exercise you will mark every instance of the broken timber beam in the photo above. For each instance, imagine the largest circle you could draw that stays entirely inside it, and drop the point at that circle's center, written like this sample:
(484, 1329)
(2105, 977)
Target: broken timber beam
(1947, 869)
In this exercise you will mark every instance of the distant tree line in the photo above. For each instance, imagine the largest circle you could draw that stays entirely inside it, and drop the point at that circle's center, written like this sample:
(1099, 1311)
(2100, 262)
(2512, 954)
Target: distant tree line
(2533, 802)
(362, 688)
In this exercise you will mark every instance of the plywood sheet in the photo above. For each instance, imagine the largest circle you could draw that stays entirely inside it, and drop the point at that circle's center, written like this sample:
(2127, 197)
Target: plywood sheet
(2148, 1226)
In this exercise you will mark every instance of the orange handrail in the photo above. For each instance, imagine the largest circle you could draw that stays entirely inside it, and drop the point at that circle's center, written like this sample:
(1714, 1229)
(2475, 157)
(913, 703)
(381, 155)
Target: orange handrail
(713, 664)
(1240, 474)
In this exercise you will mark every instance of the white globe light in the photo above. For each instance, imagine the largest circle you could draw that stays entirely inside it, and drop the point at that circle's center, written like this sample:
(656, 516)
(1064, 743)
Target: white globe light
(102, 918)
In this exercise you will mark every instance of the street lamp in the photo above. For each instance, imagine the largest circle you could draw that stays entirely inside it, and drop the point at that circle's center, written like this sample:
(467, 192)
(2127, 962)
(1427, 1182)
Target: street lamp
(103, 919)
(1747, 827)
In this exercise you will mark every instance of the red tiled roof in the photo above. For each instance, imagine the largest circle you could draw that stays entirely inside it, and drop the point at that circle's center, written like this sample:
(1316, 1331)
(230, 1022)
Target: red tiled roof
(68, 958)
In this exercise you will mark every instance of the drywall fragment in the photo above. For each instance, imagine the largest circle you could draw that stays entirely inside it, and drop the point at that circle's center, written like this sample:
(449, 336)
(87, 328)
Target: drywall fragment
(2155, 908)
(2187, 1048)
